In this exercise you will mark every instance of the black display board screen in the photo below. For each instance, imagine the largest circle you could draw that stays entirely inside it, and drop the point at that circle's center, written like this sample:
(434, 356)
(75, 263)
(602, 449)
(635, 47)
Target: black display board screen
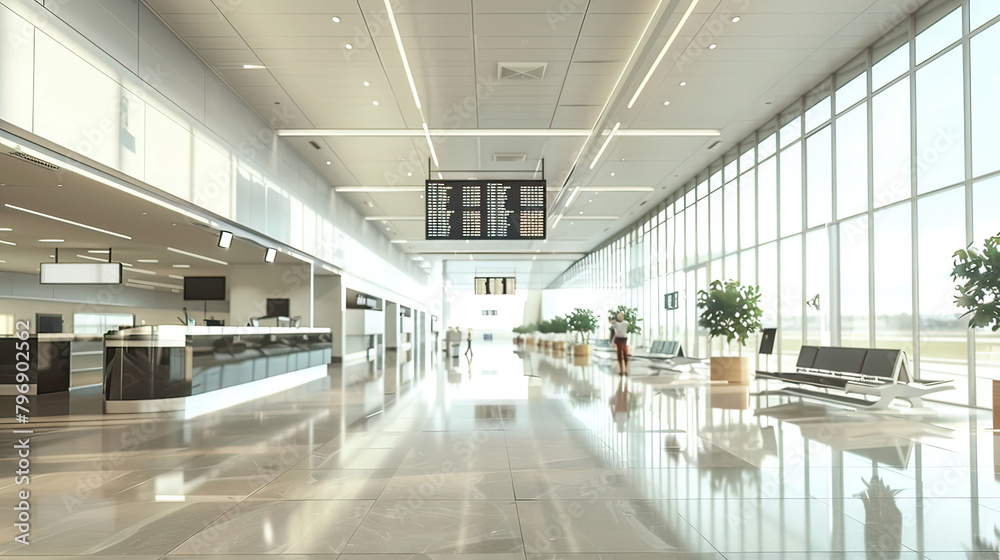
(490, 209)
(207, 288)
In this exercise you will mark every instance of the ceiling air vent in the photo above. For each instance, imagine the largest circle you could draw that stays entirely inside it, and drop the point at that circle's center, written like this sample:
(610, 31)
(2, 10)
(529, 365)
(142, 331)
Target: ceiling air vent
(521, 70)
(508, 158)
(30, 159)
(314, 144)
(714, 144)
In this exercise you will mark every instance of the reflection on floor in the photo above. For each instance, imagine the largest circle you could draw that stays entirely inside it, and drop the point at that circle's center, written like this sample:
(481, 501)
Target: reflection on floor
(508, 455)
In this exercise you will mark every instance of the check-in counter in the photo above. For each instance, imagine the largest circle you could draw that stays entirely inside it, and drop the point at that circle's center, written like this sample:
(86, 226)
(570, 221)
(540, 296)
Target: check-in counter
(54, 362)
(159, 368)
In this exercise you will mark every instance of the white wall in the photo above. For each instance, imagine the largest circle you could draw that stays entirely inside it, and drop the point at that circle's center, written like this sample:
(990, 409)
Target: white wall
(107, 81)
(22, 296)
(251, 285)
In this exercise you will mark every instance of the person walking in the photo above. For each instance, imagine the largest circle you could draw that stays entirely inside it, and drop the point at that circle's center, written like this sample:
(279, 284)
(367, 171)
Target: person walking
(468, 338)
(619, 329)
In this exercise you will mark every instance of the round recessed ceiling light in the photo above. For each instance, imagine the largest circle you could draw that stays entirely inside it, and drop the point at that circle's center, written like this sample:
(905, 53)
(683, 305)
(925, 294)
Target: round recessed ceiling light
(367, 84)
(712, 46)
(329, 162)
(683, 84)
(375, 103)
(736, 19)
(665, 103)
(59, 185)
(409, 174)
(612, 173)
(336, 19)
(348, 46)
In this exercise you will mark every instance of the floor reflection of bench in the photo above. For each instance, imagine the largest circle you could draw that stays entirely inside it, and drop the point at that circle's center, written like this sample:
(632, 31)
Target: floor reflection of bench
(852, 377)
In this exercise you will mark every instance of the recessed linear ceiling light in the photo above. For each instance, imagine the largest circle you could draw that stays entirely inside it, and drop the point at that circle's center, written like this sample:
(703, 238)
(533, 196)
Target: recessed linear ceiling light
(572, 197)
(253, 67)
(126, 264)
(556, 222)
(379, 189)
(197, 256)
(617, 189)
(487, 133)
(99, 251)
(5, 229)
(663, 52)
(395, 218)
(398, 241)
(181, 266)
(11, 243)
(148, 261)
(175, 276)
(427, 135)
(402, 53)
(95, 259)
(605, 145)
(156, 284)
(65, 221)
(51, 240)
(141, 271)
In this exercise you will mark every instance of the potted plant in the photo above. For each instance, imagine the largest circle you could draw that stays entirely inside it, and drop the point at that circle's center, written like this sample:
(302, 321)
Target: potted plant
(582, 322)
(559, 327)
(733, 311)
(978, 275)
(545, 328)
(529, 332)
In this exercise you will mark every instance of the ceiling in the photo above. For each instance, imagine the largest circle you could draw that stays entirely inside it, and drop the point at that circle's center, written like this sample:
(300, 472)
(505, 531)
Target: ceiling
(66, 196)
(596, 53)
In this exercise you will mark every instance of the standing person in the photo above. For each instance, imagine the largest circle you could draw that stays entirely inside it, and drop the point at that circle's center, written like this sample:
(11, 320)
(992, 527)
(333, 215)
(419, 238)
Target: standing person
(619, 328)
(468, 339)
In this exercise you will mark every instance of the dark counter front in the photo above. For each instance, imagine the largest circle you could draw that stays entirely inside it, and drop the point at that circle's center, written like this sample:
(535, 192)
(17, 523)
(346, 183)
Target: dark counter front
(153, 363)
(48, 364)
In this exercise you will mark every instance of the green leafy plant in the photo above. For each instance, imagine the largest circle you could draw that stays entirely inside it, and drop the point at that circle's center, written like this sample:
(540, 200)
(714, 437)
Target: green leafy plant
(583, 322)
(730, 310)
(631, 317)
(559, 325)
(978, 274)
(545, 327)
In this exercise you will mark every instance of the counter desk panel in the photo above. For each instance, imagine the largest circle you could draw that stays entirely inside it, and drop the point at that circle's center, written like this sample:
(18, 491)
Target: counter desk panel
(174, 362)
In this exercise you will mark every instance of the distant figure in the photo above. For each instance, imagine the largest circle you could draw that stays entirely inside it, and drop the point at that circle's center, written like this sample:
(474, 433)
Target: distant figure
(468, 338)
(619, 330)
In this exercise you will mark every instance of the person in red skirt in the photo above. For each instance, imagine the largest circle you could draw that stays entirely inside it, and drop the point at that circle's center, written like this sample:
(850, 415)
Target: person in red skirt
(619, 330)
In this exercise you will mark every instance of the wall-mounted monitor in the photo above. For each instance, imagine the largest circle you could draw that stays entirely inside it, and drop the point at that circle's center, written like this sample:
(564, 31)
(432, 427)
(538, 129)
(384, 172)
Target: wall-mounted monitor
(490, 209)
(279, 307)
(495, 286)
(80, 273)
(205, 288)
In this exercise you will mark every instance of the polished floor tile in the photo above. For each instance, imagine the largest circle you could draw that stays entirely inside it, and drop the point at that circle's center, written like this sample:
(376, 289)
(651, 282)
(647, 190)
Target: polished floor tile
(607, 526)
(280, 527)
(326, 484)
(450, 485)
(517, 456)
(439, 526)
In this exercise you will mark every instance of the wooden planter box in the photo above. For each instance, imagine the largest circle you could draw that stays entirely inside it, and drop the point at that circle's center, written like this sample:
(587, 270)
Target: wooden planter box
(735, 370)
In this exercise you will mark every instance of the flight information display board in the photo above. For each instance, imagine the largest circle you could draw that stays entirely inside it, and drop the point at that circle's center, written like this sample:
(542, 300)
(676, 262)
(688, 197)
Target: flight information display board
(491, 209)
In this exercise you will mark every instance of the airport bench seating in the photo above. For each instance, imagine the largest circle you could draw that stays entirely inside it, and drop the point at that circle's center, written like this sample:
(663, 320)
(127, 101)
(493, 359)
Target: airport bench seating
(859, 378)
(661, 350)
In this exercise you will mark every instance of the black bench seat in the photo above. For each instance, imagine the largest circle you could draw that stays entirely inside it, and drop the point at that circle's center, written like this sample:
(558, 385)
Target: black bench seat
(873, 372)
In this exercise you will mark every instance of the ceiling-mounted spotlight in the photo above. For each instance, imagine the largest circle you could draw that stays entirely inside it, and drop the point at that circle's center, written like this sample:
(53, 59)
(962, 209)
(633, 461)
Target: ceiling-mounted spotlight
(225, 239)
(269, 255)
